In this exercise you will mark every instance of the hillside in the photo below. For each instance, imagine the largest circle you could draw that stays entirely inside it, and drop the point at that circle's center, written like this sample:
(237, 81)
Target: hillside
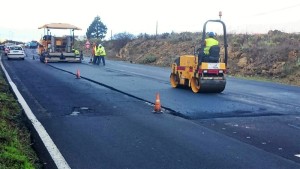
(273, 56)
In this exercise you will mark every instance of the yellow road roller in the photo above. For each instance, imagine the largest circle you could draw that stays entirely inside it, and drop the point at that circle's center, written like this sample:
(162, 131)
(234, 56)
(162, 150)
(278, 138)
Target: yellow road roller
(202, 73)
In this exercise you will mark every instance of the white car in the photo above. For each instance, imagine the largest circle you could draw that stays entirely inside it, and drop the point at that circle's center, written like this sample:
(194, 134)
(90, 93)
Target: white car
(15, 52)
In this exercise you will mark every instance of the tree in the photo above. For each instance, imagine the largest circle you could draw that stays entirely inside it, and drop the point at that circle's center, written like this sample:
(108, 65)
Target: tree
(97, 29)
(124, 36)
(121, 39)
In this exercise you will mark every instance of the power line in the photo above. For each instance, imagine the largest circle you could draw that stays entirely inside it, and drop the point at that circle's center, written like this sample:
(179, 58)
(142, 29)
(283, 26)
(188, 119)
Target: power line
(277, 10)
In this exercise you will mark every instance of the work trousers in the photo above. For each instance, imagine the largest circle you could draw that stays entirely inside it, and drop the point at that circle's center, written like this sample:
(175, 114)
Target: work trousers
(103, 60)
(96, 60)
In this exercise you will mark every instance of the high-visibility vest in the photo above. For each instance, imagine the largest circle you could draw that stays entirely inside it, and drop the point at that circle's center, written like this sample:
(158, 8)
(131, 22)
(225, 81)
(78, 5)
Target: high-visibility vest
(209, 42)
(100, 51)
(76, 52)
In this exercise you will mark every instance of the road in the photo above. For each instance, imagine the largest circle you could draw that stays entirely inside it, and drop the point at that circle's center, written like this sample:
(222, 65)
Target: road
(105, 119)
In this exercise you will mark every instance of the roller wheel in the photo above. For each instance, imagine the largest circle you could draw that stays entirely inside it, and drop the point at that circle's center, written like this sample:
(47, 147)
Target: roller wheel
(174, 80)
(195, 85)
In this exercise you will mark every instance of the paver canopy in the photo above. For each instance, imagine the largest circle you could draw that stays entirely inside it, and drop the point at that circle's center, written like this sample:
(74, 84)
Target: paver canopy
(60, 26)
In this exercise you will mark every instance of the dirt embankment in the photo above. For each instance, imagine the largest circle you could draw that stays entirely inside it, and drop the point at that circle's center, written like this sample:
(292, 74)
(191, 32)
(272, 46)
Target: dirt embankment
(274, 56)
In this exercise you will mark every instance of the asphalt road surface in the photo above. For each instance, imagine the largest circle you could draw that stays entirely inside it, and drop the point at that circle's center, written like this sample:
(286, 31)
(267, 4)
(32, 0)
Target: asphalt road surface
(105, 119)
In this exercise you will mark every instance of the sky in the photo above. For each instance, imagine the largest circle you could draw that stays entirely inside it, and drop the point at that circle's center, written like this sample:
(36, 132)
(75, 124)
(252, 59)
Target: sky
(20, 20)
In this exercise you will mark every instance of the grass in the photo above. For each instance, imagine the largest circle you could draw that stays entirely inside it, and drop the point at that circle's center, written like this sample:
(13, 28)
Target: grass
(15, 144)
(262, 79)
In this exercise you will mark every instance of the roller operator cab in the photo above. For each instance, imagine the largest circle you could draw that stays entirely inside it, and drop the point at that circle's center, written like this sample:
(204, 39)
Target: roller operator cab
(202, 73)
(58, 48)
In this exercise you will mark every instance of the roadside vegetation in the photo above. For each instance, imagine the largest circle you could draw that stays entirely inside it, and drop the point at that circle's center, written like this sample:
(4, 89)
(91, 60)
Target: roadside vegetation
(15, 143)
(273, 56)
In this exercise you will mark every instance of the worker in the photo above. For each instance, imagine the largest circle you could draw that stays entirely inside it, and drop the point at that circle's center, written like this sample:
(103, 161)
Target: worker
(210, 45)
(76, 52)
(93, 52)
(101, 53)
(96, 58)
(81, 54)
(209, 42)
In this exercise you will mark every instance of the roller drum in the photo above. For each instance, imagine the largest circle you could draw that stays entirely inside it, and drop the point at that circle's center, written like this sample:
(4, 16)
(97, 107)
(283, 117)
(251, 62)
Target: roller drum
(212, 86)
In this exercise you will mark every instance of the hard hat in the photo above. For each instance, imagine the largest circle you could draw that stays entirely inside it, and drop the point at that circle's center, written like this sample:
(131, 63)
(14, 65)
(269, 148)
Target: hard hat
(99, 45)
(211, 34)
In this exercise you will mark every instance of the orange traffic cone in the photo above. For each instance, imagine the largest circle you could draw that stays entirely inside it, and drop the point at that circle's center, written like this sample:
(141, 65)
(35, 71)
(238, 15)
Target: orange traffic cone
(78, 74)
(157, 107)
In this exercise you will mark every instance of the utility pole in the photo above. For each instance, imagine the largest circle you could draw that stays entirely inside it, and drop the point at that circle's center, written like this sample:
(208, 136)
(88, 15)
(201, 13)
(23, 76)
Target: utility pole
(156, 28)
(110, 34)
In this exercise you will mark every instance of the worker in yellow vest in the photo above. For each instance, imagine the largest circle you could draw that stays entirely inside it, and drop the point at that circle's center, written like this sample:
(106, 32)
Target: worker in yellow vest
(209, 42)
(210, 45)
(76, 52)
(100, 52)
(96, 59)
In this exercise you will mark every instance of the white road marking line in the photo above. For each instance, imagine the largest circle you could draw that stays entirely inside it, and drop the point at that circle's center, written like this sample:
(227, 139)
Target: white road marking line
(297, 155)
(57, 157)
(297, 127)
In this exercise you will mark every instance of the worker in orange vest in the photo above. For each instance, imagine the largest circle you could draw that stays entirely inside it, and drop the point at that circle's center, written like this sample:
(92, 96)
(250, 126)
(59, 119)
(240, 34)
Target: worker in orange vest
(93, 52)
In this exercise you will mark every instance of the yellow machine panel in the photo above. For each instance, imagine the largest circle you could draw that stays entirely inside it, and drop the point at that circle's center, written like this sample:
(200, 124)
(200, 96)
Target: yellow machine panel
(187, 60)
(58, 42)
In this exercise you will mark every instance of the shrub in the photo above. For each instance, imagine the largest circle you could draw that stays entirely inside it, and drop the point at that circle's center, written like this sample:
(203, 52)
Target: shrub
(149, 59)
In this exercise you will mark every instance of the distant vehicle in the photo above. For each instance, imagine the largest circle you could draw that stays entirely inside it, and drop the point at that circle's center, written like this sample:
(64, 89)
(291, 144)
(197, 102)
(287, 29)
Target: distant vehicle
(2, 48)
(58, 48)
(15, 52)
(32, 45)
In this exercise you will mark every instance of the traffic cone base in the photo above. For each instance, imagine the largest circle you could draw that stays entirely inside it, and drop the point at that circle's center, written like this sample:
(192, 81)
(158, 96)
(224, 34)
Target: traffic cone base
(157, 106)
